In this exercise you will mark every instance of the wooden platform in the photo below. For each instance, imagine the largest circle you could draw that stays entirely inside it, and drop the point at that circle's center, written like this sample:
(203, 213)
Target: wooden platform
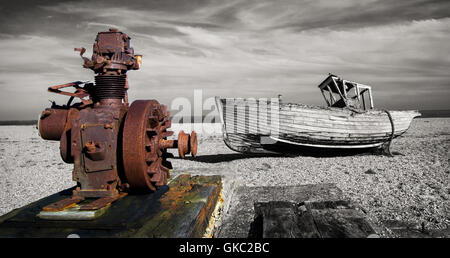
(181, 209)
(325, 219)
(315, 210)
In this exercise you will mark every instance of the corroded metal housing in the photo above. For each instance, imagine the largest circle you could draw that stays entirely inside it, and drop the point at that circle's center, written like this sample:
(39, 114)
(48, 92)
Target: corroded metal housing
(115, 147)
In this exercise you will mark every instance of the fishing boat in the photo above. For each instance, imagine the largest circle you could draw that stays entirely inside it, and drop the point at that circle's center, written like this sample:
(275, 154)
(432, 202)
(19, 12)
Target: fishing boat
(348, 121)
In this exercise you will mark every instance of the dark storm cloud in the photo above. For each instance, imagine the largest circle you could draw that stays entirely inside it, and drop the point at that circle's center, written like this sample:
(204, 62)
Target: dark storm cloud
(243, 48)
(357, 14)
(58, 18)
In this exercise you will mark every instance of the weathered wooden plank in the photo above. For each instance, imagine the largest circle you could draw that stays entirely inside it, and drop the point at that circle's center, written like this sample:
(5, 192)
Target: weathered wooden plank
(327, 135)
(293, 106)
(278, 219)
(311, 123)
(305, 223)
(338, 219)
(325, 219)
(305, 131)
(241, 140)
(318, 128)
(332, 139)
(334, 114)
(283, 220)
(350, 126)
(242, 215)
(349, 122)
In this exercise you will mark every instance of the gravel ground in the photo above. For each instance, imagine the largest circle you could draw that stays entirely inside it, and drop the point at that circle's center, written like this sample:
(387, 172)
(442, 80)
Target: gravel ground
(413, 186)
(30, 167)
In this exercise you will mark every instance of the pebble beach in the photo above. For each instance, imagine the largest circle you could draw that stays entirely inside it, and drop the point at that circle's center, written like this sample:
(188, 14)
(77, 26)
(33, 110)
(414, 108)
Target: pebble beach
(411, 187)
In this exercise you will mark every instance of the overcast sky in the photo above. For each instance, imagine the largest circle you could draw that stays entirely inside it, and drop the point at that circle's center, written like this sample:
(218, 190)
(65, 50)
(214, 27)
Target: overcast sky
(246, 48)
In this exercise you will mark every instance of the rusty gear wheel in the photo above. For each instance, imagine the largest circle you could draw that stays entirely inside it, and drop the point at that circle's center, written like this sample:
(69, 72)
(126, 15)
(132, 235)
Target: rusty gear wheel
(144, 159)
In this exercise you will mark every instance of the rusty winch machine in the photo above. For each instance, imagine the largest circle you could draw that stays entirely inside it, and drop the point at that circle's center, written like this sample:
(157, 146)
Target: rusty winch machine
(116, 148)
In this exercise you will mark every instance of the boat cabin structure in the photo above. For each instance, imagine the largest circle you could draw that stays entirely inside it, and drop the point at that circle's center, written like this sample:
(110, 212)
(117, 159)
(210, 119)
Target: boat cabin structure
(342, 93)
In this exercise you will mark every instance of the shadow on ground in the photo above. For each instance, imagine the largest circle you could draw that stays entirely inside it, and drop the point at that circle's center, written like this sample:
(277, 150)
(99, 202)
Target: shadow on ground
(226, 157)
(287, 153)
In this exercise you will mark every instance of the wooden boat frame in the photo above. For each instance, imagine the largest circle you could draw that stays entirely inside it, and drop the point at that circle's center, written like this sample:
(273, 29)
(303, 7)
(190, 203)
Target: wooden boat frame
(347, 122)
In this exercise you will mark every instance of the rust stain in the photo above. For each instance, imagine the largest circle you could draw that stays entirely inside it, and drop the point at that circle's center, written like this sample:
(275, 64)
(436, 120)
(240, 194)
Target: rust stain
(198, 192)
